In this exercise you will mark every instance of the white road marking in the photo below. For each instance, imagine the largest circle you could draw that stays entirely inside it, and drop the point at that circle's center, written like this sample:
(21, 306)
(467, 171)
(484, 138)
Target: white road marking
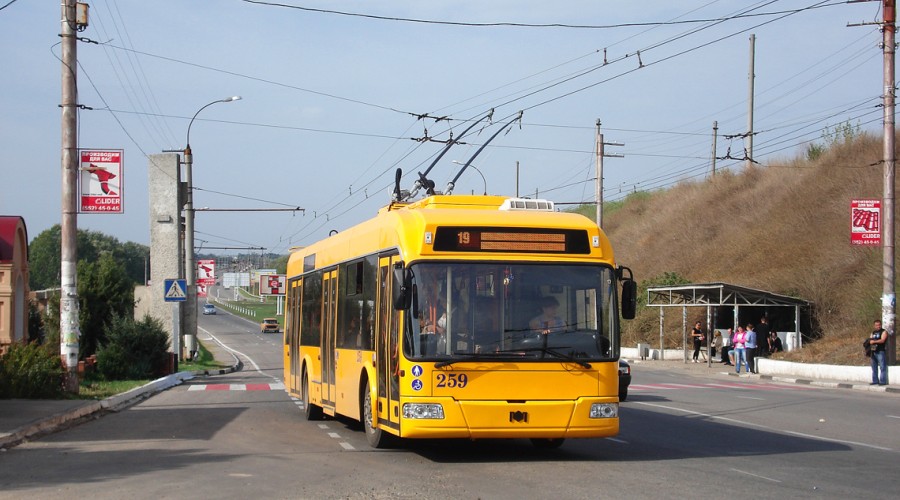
(893, 416)
(347, 446)
(334, 435)
(255, 366)
(749, 424)
(756, 475)
(323, 426)
(615, 440)
(748, 397)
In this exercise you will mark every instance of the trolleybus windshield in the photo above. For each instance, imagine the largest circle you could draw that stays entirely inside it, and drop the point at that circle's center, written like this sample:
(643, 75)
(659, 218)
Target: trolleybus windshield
(527, 311)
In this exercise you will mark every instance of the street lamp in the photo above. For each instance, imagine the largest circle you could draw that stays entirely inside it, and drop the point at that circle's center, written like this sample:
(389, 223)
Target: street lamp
(190, 267)
(479, 173)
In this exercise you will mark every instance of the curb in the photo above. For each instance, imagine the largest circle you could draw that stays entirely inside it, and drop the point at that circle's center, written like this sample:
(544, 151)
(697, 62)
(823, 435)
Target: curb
(114, 403)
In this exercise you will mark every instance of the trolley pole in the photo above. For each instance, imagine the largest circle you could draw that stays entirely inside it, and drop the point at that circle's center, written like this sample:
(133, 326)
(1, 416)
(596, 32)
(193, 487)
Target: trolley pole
(888, 297)
(68, 303)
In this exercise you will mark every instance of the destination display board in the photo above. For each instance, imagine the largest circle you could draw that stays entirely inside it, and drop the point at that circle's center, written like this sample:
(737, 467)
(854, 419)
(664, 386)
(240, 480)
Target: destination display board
(511, 239)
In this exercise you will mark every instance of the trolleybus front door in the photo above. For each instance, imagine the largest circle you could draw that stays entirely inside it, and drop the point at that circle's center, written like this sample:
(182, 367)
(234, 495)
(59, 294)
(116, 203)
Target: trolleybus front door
(329, 304)
(387, 347)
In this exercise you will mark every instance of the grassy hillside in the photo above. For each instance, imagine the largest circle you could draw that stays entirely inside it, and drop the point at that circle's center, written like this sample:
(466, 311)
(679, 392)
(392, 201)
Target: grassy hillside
(782, 227)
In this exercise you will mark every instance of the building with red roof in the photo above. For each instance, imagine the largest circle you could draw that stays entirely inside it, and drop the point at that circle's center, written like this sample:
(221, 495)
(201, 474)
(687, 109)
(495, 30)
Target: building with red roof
(13, 280)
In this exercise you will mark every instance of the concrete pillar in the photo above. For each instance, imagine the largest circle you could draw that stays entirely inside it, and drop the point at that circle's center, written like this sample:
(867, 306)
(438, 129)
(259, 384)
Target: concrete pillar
(166, 246)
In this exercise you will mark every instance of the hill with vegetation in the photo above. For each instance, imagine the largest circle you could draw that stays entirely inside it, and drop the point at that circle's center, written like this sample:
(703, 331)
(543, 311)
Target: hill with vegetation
(782, 226)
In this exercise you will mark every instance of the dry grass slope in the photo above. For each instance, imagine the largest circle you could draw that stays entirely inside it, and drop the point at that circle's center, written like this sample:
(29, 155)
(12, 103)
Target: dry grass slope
(783, 227)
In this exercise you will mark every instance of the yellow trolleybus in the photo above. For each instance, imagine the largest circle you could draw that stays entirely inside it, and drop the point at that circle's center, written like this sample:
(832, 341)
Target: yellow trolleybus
(460, 317)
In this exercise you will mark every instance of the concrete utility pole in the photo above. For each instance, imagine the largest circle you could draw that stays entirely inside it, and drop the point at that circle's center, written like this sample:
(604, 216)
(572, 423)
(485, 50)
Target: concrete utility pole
(598, 184)
(712, 168)
(68, 304)
(888, 297)
(749, 140)
(190, 264)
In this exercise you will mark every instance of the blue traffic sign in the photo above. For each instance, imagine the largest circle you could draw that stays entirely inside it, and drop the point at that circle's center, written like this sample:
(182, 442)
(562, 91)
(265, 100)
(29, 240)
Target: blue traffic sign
(175, 290)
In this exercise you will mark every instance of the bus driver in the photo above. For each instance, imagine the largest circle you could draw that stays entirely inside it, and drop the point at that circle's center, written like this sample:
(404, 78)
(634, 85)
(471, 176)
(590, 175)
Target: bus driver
(548, 321)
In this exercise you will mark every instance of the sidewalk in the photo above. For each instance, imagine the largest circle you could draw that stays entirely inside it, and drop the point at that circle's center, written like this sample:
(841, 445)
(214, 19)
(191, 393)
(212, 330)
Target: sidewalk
(22, 419)
(827, 376)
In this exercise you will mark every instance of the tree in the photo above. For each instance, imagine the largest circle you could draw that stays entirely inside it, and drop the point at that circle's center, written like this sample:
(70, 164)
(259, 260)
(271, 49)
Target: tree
(44, 256)
(104, 291)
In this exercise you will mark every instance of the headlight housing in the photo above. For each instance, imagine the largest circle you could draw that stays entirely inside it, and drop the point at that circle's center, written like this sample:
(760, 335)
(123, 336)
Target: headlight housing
(604, 410)
(433, 411)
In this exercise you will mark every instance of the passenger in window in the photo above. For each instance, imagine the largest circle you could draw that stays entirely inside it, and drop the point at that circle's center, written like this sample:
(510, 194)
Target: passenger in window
(548, 321)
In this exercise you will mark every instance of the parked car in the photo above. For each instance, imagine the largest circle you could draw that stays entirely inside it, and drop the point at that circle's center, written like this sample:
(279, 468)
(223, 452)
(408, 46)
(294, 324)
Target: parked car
(269, 325)
(209, 309)
(624, 379)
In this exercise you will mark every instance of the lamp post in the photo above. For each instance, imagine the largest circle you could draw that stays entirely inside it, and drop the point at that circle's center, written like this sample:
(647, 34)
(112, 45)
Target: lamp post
(479, 173)
(190, 266)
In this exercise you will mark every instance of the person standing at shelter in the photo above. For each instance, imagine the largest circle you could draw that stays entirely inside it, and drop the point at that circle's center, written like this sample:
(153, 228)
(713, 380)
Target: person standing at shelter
(738, 341)
(750, 347)
(877, 342)
(698, 337)
(762, 337)
(727, 346)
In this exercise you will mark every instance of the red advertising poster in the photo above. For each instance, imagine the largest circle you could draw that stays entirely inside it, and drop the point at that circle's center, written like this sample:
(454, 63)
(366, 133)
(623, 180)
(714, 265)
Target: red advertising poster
(206, 272)
(865, 222)
(100, 180)
(271, 284)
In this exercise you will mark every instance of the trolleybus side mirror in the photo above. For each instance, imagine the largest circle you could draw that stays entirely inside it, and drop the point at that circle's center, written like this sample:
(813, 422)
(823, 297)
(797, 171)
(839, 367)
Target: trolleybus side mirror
(401, 287)
(629, 298)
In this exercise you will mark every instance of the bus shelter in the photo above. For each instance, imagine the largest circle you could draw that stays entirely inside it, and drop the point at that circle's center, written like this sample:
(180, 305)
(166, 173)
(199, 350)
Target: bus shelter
(717, 296)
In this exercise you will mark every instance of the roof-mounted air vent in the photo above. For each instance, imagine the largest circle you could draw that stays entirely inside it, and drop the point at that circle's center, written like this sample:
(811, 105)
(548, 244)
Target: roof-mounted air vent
(526, 204)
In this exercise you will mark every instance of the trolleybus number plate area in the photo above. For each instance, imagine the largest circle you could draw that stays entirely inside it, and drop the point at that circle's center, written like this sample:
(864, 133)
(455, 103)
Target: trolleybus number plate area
(452, 380)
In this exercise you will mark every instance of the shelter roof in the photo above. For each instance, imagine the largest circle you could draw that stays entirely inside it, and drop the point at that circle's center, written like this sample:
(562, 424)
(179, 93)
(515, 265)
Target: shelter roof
(717, 294)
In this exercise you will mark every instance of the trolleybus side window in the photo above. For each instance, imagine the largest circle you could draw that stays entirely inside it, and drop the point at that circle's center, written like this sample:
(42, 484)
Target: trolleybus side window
(311, 322)
(357, 296)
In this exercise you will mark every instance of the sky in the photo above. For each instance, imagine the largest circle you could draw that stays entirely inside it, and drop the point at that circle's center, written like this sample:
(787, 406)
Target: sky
(337, 95)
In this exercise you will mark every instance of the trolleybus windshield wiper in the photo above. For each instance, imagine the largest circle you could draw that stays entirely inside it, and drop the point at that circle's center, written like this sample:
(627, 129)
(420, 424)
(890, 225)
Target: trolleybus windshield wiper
(478, 357)
(554, 352)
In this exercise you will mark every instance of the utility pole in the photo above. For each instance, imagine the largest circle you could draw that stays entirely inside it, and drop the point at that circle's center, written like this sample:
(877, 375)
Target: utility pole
(888, 298)
(748, 141)
(517, 178)
(598, 184)
(68, 303)
(712, 169)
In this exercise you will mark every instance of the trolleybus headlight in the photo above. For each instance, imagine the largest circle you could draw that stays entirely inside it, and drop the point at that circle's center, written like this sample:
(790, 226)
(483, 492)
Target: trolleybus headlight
(604, 410)
(423, 410)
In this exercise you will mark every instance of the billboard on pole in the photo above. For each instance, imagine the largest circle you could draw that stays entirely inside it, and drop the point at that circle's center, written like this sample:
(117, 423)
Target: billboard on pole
(271, 284)
(865, 222)
(100, 181)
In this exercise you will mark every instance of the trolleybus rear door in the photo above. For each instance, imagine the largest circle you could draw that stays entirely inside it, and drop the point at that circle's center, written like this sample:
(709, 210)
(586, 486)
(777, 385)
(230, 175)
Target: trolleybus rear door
(292, 332)
(329, 304)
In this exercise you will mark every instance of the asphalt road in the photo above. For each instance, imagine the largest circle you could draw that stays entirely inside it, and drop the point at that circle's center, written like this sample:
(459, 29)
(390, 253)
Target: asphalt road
(241, 436)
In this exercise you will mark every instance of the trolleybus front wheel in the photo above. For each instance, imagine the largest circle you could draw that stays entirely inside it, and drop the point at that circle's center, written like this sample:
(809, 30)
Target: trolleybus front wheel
(377, 438)
(312, 412)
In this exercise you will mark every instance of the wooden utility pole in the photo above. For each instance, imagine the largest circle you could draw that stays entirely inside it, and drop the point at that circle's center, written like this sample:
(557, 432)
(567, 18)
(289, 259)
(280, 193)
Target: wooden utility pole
(598, 184)
(749, 139)
(888, 297)
(712, 168)
(68, 303)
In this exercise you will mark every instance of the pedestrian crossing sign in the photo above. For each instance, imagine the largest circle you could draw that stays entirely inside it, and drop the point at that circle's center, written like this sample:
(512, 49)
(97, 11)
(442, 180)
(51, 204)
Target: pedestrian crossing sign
(175, 290)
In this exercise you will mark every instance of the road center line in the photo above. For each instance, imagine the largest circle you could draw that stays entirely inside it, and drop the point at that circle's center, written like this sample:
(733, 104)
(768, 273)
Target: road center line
(255, 366)
(750, 424)
(748, 397)
(756, 475)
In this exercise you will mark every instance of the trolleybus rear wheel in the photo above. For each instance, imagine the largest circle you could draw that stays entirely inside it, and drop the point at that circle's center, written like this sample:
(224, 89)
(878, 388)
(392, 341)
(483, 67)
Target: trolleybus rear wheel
(312, 412)
(547, 443)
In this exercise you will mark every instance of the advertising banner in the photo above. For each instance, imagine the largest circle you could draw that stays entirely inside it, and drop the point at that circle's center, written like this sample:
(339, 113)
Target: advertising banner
(100, 181)
(271, 284)
(865, 222)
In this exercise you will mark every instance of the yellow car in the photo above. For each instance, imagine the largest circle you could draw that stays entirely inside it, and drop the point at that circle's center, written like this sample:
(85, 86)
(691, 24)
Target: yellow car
(269, 325)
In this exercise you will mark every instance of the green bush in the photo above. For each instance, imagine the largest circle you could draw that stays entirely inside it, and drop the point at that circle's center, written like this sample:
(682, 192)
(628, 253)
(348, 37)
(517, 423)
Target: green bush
(31, 371)
(133, 350)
